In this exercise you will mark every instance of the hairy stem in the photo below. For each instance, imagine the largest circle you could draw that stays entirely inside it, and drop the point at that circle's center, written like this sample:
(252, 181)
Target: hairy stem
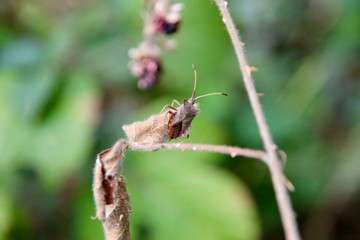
(232, 151)
(282, 197)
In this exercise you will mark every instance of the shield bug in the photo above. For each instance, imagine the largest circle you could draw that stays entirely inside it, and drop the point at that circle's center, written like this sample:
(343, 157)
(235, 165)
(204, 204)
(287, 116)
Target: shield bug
(173, 123)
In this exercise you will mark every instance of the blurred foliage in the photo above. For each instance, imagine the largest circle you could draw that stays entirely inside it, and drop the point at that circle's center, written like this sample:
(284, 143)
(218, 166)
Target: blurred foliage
(65, 92)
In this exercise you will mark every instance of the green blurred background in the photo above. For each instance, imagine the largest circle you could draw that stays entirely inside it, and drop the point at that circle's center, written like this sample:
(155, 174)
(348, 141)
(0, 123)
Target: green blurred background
(66, 90)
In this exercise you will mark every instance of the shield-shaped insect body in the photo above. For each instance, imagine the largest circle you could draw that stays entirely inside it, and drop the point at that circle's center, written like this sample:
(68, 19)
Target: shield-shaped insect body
(179, 124)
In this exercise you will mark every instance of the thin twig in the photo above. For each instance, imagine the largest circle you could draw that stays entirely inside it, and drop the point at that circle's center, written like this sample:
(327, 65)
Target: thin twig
(231, 151)
(283, 200)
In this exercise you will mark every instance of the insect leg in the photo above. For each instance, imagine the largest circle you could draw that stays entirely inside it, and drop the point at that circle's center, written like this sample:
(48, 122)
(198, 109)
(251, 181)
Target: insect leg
(168, 106)
(175, 101)
(172, 105)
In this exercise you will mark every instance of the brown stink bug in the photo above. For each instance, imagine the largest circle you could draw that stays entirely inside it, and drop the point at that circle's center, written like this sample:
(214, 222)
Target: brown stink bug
(171, 124)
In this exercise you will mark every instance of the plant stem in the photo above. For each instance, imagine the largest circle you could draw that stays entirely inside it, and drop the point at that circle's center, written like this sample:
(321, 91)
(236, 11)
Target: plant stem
(282, 197)
(232, 151)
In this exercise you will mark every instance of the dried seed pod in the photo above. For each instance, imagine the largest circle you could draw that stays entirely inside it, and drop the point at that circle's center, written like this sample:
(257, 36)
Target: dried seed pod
(151, 130)
(172, 124)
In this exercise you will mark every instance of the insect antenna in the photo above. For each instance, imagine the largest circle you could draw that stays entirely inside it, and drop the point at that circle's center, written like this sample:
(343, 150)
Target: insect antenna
(209, 94)
(193, 98)
(195, 79)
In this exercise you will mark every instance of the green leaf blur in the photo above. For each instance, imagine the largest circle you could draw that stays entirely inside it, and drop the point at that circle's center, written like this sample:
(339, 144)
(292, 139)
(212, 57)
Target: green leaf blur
(66, 91)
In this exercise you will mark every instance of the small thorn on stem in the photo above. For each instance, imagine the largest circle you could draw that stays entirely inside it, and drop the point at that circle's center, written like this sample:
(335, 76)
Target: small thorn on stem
(253, 69)
(289, 185)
